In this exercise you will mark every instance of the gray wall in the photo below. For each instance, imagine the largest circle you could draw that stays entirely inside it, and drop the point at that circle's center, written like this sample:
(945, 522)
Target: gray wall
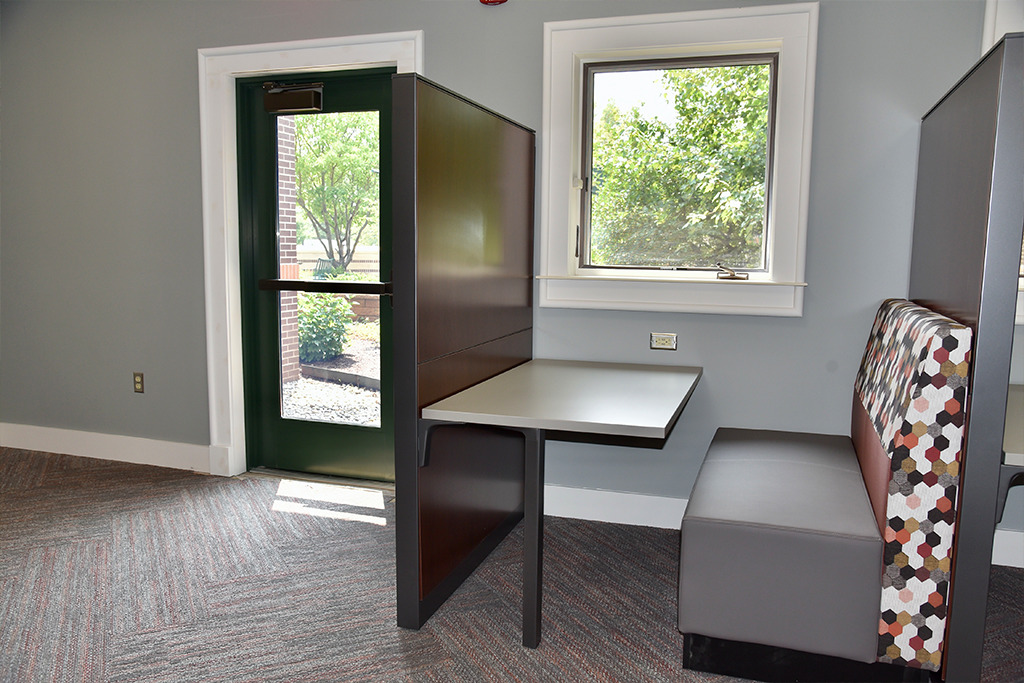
(101, 253)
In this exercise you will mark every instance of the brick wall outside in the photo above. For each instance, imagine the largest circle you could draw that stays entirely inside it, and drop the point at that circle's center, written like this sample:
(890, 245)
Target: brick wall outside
(287, 243)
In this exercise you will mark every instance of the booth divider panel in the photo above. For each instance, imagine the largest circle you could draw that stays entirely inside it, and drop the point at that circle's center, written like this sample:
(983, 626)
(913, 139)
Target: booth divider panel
(954, 176)
(474, 225)
(472, 486)
(967, 242)
(464, 205)
(447, 375)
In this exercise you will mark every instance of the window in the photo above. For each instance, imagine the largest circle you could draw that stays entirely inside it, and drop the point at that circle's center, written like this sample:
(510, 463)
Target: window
(675, 163)
(675, 158)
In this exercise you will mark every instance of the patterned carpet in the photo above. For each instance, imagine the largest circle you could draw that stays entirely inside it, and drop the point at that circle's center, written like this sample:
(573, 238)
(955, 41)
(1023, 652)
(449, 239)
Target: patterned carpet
(121, 573)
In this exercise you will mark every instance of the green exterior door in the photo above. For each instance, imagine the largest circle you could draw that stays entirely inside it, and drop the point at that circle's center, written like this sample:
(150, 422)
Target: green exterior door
(315, 239)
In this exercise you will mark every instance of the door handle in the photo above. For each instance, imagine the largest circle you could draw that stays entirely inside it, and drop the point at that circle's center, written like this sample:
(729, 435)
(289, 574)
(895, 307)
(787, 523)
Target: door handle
(328, 286)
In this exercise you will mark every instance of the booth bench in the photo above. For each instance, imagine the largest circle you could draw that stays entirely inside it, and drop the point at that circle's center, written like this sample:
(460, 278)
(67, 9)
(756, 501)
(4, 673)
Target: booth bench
(839, 545)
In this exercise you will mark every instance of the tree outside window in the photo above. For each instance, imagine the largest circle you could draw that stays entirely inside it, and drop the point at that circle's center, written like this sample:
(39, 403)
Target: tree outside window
(337, 159)
(681, 183)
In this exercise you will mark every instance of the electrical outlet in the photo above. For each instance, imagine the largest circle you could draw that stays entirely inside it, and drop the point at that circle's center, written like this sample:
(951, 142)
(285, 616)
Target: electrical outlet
(139, 385)
(664, 341)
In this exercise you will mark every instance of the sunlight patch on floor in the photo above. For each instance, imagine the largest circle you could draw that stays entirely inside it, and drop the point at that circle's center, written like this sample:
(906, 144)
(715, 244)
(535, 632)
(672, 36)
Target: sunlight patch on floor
(311, 492)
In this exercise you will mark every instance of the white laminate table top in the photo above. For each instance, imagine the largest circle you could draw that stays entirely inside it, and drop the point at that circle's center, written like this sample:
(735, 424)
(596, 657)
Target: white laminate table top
(576, 396)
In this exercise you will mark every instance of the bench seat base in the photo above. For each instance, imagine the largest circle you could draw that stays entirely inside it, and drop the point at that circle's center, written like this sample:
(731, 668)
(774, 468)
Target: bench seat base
(780, 547)
(776, 664)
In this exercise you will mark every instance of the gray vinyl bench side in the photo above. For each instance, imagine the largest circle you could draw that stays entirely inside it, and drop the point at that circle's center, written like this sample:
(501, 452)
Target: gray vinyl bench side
(778, 539)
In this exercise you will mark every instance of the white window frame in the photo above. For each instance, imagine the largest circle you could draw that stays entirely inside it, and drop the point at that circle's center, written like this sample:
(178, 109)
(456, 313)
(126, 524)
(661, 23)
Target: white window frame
(790, 31)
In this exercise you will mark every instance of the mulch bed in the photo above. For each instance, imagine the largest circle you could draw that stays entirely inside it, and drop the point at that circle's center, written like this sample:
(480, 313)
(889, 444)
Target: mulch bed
(360, 357)
(325, 401)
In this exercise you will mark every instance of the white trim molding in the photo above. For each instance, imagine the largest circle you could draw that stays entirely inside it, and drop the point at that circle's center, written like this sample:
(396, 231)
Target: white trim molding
(218, 69)
(1008, 548)
(596, 505)
(616, 507)
(1001, 17)
(133, 449)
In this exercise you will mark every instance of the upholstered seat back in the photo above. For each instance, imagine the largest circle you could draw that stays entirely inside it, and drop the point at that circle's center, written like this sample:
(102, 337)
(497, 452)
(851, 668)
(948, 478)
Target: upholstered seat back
(908, 429)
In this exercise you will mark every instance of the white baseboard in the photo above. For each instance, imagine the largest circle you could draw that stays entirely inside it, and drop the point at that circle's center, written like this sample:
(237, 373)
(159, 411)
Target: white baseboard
(559, 501)
(1008, 548)
(613, 506)
(665, 513)
(133, 449)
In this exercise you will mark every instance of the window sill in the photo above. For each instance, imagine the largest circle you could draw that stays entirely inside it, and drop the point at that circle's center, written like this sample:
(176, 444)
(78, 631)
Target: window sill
(728, 297)
(671, 280)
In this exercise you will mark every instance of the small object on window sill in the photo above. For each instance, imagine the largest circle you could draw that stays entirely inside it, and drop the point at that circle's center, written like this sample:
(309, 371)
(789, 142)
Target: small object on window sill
(727, 273)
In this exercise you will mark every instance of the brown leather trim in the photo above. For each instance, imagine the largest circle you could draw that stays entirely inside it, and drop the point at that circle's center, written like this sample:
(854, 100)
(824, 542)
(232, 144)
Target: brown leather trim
(875, 463)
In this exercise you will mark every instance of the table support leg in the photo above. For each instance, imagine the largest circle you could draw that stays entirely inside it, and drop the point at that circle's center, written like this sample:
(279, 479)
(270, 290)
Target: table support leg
(533, 541)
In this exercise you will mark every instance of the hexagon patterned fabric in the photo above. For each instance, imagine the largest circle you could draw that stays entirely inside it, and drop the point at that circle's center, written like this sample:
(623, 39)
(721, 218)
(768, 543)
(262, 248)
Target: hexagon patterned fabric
(913, 383)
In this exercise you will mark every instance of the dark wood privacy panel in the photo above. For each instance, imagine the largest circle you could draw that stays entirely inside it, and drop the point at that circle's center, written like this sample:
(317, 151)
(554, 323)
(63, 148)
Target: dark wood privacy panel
(479, 483)
(474, 229)
(443, 376)
(464, 205)
(967, 243)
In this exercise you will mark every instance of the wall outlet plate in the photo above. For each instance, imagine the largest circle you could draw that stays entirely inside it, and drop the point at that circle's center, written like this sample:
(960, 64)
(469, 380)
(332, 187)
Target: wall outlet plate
(663, 341)
(137, 378)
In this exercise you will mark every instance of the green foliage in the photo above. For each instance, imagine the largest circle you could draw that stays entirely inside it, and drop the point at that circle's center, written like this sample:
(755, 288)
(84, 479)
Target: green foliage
(368, 330)
(337, 160)
(322, 322)
(339, 273)
(688, 194)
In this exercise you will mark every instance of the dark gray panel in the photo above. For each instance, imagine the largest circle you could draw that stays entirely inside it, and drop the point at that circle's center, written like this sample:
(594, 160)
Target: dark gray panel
(407, 513)
(951, 213)
(967, 242)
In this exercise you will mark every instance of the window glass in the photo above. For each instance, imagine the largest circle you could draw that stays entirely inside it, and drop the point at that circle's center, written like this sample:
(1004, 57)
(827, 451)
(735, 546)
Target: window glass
(677, 159)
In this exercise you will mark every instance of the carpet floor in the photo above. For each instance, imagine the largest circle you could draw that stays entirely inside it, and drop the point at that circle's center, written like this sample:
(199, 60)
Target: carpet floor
(121, 573)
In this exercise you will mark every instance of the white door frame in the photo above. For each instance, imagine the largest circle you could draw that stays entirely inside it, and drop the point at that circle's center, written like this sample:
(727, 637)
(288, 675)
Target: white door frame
(218, 69)
(1001, 17)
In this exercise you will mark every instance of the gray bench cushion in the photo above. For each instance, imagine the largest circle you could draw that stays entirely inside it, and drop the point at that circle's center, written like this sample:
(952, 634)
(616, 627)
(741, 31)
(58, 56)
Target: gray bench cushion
(780, 545)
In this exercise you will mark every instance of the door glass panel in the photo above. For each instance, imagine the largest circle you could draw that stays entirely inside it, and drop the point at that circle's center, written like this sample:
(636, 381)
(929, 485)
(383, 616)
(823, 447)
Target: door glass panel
(328, 181)
(330, 358)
